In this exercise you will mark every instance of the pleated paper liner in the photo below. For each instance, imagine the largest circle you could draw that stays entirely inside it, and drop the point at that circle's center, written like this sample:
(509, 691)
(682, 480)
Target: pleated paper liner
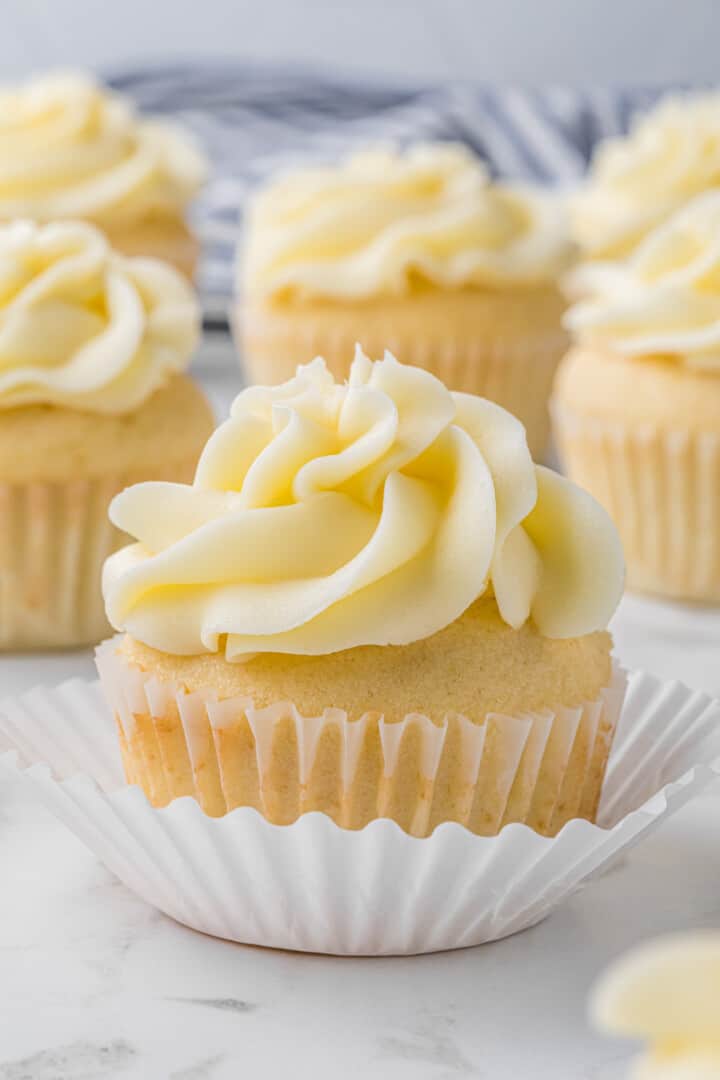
(54, 539)
(317, 887)
(514, 371)
(538, 768)
(662, 490)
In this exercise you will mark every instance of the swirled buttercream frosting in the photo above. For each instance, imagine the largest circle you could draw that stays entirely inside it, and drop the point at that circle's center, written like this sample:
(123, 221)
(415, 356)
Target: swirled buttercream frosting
(84, 327)
(326, 516)
(384, 220)
(671, 154)
(668, 993)
(664, 300)
(71, 149)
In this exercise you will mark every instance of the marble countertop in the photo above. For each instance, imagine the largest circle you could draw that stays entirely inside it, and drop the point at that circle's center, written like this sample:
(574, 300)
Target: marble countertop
(95, 984)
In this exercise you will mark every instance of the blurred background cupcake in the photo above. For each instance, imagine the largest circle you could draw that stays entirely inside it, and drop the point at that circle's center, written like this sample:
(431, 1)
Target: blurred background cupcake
(370, 603)
(667, 993)
(412, 250)
(636, 181)
(92, 347)
(69, 148)
(637, 401)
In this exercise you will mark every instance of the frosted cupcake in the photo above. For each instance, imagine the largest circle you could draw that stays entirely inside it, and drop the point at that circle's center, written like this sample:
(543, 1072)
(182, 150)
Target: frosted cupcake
(370, 603)
(71, 149)
(636, 181)
(92, 346)
(637, 401)
(415, 251)
(667, 992)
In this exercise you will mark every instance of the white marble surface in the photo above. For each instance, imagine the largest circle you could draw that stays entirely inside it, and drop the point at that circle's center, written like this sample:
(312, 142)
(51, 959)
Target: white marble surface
(94, 984)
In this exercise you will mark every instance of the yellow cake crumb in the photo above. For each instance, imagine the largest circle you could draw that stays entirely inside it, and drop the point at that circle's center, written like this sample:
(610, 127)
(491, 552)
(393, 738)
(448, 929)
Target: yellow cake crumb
(476, 665)
(598, 384)
(53, 442)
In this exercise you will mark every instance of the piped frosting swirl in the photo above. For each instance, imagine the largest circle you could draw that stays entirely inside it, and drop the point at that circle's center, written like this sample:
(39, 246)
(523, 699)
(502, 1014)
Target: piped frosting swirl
(671, 154)
(70, 149)
(664, 300)
(384, 221)
(84, 327)
(668, 993)
(326, 516)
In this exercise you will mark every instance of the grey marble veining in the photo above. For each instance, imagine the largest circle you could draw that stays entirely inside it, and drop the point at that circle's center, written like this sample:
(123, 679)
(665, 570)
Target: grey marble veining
(94, 984)
(81, 1060)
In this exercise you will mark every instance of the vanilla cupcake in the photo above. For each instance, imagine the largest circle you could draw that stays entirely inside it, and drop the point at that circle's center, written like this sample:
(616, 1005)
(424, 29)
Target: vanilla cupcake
(369, 603)
(92, 398)
(667, 992)
(416, 251)
(637, 401)
(71, 149)
(636, 181)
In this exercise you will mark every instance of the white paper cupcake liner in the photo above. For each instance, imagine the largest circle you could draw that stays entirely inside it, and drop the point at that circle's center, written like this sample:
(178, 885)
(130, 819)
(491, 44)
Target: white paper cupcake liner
(515, 371)
(539, 768)
(54, 538)
(662, 489)
(316, 887)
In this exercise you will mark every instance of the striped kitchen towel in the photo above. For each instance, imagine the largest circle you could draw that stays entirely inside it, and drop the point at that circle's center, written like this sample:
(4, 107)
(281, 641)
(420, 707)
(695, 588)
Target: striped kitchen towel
(252, 121)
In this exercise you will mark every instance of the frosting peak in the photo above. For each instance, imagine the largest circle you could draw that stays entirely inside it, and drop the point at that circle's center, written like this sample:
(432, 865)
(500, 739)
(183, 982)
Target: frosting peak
(667, 992)
(84, 327)
(383, 220)
(70, 149)
(664, 300)
(326, 516)
(671, 154)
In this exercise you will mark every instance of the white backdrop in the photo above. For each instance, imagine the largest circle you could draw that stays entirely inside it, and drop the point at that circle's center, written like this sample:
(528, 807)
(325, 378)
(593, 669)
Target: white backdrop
(519, 41)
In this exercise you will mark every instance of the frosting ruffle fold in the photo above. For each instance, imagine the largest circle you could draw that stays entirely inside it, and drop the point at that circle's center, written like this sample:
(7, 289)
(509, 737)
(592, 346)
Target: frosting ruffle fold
(667, 992)
(70, 149)
(383, 221)
(636, 181)
(84, 327)
(327, 516)
(664, 300)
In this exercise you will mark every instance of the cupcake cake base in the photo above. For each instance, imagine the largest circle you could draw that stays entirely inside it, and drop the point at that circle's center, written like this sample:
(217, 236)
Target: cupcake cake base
(502, 344)
(314, 887)
(503, 726)
(159, 237)
(643, 438)
(59, 470)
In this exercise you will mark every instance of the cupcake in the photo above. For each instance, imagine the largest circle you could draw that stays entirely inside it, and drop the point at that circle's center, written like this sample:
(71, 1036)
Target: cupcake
(416, 251)
(637, 401)
(369, 603)
(71, 149)
(667, 992)
(637, 181)
(92, 347)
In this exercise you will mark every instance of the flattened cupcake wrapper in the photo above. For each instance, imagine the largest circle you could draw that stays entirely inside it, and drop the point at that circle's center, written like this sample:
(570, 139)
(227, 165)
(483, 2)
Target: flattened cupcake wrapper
(319, 888)
(538, 768)
(516, 372)
(54, 539)
(662, 489)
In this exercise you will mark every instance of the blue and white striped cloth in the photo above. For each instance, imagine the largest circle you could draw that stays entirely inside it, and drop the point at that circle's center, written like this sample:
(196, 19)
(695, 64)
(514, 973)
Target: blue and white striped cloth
(252, 121)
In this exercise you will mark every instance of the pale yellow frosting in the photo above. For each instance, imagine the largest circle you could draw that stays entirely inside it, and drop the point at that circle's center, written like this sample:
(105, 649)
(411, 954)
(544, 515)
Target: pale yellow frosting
(664, 299)
(325, 516)
(71, 149)
(384, 219)
(85, 327)
(671, 154)
(668, 993)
